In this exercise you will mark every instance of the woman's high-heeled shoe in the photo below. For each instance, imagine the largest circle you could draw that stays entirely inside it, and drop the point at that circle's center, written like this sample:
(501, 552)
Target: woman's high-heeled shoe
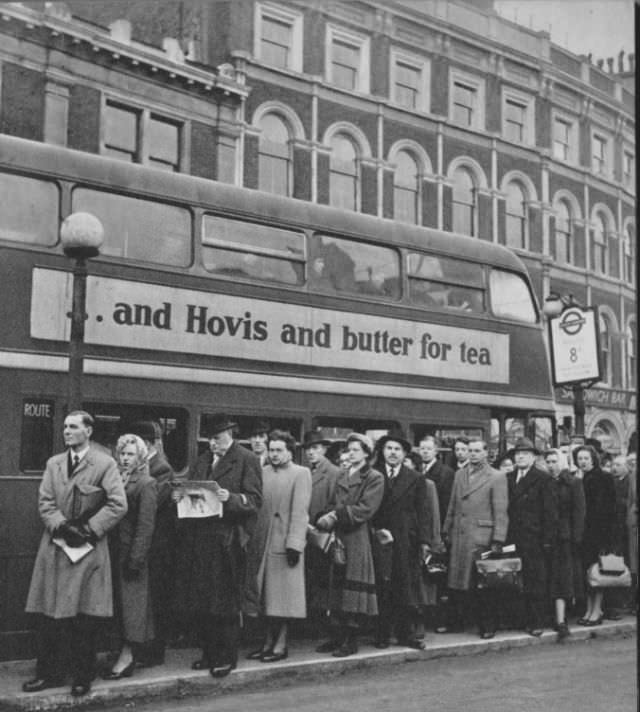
(257, 654)
(125, 672)
(273, 657)
(592, 623)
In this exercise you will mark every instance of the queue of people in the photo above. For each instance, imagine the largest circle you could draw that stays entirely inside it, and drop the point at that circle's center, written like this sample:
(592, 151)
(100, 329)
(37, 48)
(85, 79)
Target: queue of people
(248, 535)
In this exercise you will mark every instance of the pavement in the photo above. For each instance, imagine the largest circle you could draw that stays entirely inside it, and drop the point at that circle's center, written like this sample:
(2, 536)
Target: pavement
(176, 680)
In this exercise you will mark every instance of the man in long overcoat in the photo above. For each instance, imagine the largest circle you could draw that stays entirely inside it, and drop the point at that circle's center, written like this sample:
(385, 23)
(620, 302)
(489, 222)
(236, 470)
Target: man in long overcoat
(476, 521)
(162, 552)
(442, 475)
(324, 477)
(211, 552)
(533, 522)
(81, 498)
(404, 514)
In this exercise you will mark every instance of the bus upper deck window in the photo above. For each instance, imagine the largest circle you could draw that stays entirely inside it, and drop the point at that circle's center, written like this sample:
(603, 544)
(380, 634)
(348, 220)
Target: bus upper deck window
(347, 266)
(234, 248)
(511, 298)
(29, 210)
(139, 229)
(446, 283)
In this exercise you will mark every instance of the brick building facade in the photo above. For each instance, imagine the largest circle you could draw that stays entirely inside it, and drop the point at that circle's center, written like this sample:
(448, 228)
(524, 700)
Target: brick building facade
(448, 116)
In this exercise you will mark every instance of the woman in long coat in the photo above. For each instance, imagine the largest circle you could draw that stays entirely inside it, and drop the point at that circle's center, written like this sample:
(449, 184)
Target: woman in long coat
(566, 576)
(278, 545)
(600, 498)
(134, 536)
(358, 495)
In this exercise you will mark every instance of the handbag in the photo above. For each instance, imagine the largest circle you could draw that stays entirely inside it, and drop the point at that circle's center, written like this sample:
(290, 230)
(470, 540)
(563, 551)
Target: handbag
(338, 552)
(434, 567)
(504, 574)
(599, 578)
(611, 564)
(321, 540)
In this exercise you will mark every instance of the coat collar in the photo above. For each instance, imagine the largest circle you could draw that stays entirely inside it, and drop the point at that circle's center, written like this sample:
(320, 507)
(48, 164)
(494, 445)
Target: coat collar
(481, 477)
(530, 479)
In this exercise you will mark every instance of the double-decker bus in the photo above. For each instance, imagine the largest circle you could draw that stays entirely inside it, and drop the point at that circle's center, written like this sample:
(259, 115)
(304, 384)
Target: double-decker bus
(209, 298)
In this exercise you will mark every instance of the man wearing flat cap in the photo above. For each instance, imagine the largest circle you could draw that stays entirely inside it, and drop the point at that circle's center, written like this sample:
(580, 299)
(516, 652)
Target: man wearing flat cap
(533, 520)
(211, 561)
(404, 515)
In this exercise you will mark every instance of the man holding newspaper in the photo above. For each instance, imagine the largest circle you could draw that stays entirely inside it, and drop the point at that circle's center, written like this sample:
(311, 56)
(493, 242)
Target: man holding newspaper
(81, 498)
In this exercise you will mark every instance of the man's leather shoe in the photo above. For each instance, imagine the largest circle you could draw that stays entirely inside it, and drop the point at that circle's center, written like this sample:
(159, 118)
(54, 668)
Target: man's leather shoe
(221, 670)
(487, 634)
(328, 647)
(535, 632)
(40, 683)
(346, 649)
(273, 657)
(78, 689)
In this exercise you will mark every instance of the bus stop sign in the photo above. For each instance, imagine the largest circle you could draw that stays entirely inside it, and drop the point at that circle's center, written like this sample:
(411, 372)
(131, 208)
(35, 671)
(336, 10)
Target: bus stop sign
(575, 346)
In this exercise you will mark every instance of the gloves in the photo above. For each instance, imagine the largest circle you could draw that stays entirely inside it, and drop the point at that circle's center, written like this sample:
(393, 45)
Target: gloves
(293, 557)
(425, 550)
(496, 548)
(72, 534)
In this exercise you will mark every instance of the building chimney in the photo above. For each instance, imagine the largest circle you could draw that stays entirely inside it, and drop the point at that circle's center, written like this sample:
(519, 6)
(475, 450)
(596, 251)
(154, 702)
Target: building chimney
(610, 64)
(600, 63)
(590, 57)
(621, 61)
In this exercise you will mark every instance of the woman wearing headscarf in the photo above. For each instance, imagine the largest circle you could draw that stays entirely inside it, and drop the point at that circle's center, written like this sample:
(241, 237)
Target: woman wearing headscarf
(357, 498)
(600, 498)
(133, 543)
(566, 575)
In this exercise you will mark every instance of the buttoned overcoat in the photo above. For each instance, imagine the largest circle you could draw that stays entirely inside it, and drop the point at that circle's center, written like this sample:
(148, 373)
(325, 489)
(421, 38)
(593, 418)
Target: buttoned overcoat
(324, 477)
(533, 525)
(282, 524)
(211, 552)
(60, 589)
(477, 515)
(135, 533)
(357, 498)
(404, 512)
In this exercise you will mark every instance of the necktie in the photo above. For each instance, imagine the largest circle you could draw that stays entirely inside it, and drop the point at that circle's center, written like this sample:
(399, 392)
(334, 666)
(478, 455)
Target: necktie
(521, 474)
(75, 463)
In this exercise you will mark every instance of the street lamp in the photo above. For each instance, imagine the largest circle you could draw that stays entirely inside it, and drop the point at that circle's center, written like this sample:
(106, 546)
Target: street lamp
(81, 235)
(573, 339)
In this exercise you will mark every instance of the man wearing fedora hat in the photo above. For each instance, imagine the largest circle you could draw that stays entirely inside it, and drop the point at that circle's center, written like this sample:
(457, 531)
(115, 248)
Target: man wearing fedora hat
(211, 557)
(533, 520)
(402, 517)
(324, 477)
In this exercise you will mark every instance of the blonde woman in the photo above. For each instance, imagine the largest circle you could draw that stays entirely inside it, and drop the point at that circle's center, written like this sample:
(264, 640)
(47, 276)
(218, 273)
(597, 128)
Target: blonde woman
(133, 543)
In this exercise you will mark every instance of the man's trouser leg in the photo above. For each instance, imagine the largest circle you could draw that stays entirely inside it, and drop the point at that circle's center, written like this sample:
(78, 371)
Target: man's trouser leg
(84, 630)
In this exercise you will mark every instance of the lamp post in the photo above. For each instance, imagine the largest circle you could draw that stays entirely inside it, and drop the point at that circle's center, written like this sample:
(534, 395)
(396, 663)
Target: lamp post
(81, 235)
(582, 345)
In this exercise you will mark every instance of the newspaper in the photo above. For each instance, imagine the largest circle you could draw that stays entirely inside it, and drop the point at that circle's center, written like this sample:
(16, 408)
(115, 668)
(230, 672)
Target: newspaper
(198, 499)
(75, 553)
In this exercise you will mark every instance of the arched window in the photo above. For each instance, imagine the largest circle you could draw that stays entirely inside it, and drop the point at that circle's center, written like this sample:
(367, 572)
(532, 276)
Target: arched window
(629, 247)
(464, 202)
(632, 355)
(599, 245)
(343, 173)
(605, 348)
(406, 188)
(563, 252)
(274, 156)
(516, 218)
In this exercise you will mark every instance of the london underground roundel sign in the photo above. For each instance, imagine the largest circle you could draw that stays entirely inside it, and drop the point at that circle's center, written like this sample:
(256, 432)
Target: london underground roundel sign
(575, 348)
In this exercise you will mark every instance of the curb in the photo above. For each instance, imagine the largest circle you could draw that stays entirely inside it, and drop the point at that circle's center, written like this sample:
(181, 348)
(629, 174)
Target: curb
(179, 684)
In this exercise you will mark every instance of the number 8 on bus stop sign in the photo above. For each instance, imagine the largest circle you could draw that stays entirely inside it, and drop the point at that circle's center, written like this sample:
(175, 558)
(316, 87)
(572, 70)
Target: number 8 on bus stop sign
(575, 348)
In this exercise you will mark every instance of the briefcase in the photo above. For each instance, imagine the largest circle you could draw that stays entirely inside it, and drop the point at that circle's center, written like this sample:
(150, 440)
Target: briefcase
(503, 574)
